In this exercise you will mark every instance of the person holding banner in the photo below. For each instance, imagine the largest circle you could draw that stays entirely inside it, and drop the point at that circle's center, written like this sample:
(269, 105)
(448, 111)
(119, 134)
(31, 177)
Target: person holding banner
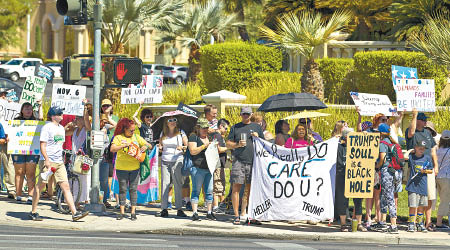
(316, 137)
(299, 138)
(25, 165)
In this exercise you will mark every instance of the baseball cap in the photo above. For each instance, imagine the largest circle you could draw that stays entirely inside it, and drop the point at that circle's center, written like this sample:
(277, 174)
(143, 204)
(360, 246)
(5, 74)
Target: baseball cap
(106, 102)
(445, 134)
(246, 110)
(202, 123)
(55, 111)
(421, 116)
(420, 143)
(384, 128)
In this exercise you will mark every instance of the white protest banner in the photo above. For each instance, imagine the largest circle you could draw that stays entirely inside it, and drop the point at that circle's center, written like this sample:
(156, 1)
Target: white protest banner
(33, 90)
(212, 157)
(24, 137)
(149, 91)
(415, 93)
(8, 111)
(292, 184)
(69, 97)
(372, 104)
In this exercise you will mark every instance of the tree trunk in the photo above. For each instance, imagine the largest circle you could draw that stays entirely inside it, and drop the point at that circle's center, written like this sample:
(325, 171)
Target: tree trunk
(243, 33)
(194, 62)
(112, 93)
(311, 80)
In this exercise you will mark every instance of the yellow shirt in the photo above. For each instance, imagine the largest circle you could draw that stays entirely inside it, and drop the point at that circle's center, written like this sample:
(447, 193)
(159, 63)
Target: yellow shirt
(124, 161)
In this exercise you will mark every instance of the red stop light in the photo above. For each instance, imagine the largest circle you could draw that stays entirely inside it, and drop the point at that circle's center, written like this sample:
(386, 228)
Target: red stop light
(127, 71)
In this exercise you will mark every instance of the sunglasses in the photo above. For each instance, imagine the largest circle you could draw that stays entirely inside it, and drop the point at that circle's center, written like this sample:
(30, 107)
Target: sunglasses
(106, 106)
(384, 120)
(172, 120)
(148, 117)
(245, 114)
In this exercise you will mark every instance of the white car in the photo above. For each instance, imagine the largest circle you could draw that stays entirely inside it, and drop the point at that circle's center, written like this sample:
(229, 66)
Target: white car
(18, 68)
(152, 69)
(175, 74)
(57, 68)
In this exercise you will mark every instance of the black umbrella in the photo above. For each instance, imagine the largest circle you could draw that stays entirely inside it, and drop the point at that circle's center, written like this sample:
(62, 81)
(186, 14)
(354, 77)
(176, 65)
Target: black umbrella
(186, 122)
(292, 102)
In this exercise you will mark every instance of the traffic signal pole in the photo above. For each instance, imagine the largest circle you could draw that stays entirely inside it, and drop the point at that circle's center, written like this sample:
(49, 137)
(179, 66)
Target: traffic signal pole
(95, 205)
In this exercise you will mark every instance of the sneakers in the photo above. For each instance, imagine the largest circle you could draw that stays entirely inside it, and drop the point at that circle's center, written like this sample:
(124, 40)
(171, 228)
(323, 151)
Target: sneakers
(79, 215)
(180, 213)
(189, 206)
(211, 216)
(392, 230)
(133, 217)
(195, 217)
(35, 217)
(411, 227)
(163, 213)
(119, 216)
(421, 228)
(380, 227)
(217, 210)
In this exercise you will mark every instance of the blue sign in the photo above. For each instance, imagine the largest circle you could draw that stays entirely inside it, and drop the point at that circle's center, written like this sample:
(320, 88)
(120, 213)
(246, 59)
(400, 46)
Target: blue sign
(399, 72)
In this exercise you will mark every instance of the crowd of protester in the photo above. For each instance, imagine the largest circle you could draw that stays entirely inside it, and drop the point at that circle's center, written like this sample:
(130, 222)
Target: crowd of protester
(428, 158)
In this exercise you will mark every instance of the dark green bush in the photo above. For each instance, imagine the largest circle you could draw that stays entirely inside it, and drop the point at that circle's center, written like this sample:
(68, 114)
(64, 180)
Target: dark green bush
(372, 71)
(336, 79)
(232, 65)
(36, 54)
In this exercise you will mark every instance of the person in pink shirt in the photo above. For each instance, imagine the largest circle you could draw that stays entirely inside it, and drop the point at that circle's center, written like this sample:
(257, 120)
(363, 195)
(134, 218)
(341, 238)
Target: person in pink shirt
(299, 137)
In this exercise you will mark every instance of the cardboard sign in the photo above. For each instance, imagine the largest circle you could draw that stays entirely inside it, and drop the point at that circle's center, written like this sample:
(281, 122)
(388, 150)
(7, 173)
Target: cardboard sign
(187, 109)
(362, 153)
(33, 90)
(24, 137)
(292, 184)
(149, 91)
(399, 72)
(8, 111)
(45, 72)
(372, 104)
(70, 98)
(415, 93)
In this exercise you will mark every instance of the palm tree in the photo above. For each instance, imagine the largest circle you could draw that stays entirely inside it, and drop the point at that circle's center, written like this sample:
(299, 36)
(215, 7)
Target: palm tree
(237, 7)
(410, 15)
(302, 34)
(196, 25)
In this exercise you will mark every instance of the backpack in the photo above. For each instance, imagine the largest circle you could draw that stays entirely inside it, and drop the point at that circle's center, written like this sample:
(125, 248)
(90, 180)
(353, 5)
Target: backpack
(395, 155)
(187, 164)
(108, 156)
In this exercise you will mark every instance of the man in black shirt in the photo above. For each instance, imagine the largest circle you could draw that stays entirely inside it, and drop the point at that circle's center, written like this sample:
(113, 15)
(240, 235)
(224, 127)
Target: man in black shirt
(240, 141)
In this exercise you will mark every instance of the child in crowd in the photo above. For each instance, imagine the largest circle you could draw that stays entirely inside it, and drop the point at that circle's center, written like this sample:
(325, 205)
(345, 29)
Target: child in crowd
(420, 165)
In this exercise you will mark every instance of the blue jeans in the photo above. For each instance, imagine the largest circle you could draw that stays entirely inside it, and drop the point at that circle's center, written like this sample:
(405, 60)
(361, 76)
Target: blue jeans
(104, 174)
(201, 177)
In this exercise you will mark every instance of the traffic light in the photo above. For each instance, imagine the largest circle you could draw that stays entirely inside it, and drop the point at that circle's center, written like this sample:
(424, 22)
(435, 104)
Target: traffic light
(71, 70)
(127, 71)
(75, 11)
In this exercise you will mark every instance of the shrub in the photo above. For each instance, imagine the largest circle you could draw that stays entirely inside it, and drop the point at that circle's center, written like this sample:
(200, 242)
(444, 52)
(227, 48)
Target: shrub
(189, 94)
(232, 65)
(36, 54)
(337, 79)
(372, 70)
(52, 61)
(266, 84)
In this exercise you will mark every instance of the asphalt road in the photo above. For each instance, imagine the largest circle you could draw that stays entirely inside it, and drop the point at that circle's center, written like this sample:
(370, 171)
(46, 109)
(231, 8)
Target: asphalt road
(12, 237)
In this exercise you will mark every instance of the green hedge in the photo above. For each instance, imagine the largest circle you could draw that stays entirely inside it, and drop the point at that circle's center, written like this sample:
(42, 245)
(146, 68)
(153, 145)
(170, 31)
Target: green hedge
(336, 79)
(372, 71)
(232, 65)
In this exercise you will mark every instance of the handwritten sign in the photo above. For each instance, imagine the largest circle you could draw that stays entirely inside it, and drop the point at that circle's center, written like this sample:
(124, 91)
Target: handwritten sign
(8, 110)
(149, 91)
(292, 184)
(362, 152)
(24, 137)
(45, 72)
(33, 90)
(11, 95)
(415, 93)
(372, 104)
(69, 97)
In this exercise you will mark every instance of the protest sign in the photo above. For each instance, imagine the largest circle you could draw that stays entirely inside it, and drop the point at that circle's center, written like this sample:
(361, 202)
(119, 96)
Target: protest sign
(8, 110)
(149, 91)
(33, 90)
(70, 98)
(44, 71)
(372, 104)
(212, 157)
(399, 72)
(24, 137)
(11, 95)
(362, 152)
(187, 109)
(292, 184)
(415, 93)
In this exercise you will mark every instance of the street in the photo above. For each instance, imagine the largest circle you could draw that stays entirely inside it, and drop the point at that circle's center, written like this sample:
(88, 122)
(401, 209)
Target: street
(12, 237)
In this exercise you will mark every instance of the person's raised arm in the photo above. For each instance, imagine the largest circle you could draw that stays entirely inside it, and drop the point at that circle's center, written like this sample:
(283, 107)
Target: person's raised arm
(136, 120)
(87, 121)
(359, 125)
(40, 113)
(412, 126)
(398, 119)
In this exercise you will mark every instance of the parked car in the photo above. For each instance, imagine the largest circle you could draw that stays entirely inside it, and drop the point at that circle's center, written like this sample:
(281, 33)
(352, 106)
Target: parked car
(3, 61)
(18, 68)
(152, 69)
(57, 67)
(175, 74)
(85, 65)
(90, 71)
(6, 84)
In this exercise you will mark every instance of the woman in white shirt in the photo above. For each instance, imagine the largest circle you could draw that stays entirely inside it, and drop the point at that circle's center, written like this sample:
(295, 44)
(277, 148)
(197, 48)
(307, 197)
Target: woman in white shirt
(173, 142)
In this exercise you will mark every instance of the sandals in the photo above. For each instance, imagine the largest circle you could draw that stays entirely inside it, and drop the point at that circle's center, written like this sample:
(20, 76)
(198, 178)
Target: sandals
(344, 228)
(361, 228)
(237, 221)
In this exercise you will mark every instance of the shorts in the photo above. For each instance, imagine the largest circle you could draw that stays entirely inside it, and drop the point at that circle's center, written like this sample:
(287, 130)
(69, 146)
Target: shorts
(21, 159)
(60, 174)
(219, 182)
(241, 173)
(186, 183)
(417, 200)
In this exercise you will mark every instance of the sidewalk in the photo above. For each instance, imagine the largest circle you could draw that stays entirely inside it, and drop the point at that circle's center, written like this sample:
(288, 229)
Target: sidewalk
(13, 213)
